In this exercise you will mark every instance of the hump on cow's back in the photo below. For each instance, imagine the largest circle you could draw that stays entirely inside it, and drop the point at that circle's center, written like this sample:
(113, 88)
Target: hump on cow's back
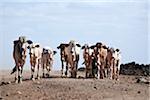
(22, 39)
(16, 41)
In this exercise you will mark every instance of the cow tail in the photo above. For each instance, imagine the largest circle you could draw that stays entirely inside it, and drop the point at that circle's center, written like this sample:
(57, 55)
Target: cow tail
(13, 70)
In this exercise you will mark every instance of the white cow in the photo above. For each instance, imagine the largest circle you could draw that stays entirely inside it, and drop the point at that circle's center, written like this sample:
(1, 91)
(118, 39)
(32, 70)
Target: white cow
(47, 60)
(35, 52)
(115, 68)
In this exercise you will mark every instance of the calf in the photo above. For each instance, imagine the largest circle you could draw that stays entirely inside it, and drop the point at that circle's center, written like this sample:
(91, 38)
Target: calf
(87, 55)
(35, 52)
(47, 60)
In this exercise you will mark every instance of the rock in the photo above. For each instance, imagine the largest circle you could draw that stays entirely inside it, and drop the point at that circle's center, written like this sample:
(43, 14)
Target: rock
(95, 87)
(9, 82)
(18, 92)
(37, 82)
(142, 80)
(139, 92)
(7, 94)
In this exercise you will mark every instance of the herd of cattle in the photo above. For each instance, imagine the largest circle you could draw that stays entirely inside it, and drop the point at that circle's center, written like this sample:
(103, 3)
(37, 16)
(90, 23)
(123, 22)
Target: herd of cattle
(100, 61)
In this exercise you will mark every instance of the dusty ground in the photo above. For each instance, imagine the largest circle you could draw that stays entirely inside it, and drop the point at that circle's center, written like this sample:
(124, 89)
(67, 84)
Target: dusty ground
(56, 88)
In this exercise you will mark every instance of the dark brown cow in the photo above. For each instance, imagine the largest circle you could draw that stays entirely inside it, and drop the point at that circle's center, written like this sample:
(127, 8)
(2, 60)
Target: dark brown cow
(63, 57)
(19, 55)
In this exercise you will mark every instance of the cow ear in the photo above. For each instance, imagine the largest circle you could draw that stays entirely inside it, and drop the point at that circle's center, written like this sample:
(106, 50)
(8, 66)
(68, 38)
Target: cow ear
(54, 52)
(92, 47)
(66, 45)
(58, 47)
(37, 46)
(117, 50)
(83, 47)
(104, 47)
(78, 45)
(29, 42)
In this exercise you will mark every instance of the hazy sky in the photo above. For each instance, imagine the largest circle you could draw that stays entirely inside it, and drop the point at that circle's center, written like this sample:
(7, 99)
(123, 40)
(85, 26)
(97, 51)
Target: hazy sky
(118, 23)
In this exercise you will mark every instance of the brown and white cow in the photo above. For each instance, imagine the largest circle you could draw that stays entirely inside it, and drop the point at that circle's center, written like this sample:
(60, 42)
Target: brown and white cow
(47, 60)
(19, 55)
(70, 52)
(63, 57)
(35, 52)
(101, 59)
(88, 61)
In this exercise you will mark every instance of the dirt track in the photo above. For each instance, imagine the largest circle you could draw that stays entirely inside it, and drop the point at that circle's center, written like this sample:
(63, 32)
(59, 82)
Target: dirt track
(56, 88)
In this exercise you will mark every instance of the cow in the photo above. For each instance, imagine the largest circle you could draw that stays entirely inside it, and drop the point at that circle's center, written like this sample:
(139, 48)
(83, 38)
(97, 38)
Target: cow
(47, 60)
(71, 57)
(63, 57)
(109, 62)
(19, 55)
(101, 59)
(115, 68)
(35, 52)
(88, 61)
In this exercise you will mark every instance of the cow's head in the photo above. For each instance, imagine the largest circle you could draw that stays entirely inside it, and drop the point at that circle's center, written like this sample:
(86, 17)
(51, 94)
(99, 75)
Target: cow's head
(21, 46)
(32, 48)
(86, 48)
(62, 46)
(98, 44)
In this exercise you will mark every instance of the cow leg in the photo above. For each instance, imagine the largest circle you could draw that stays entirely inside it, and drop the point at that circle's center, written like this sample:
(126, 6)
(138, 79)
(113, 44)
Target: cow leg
(48, 70)
(117, 74)
(86, 72)
(16, 75)
(75, 69)
(114, 72)
(43, 71)
(102, 71)
(66, 73)
(111, 69)
(32, 73)
(19, 74)
(38, 66)
(62, 66)
(106, 72)
(98, 74)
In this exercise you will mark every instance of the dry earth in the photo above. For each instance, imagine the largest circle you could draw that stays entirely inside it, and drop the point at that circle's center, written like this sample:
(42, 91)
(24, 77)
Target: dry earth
(57, 88)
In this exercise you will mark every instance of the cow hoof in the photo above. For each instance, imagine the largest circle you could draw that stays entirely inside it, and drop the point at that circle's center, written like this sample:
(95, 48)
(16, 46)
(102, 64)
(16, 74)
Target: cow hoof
(117, 79)
(20, 82)
(33, 79)
(16, 81)
(38, 78)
